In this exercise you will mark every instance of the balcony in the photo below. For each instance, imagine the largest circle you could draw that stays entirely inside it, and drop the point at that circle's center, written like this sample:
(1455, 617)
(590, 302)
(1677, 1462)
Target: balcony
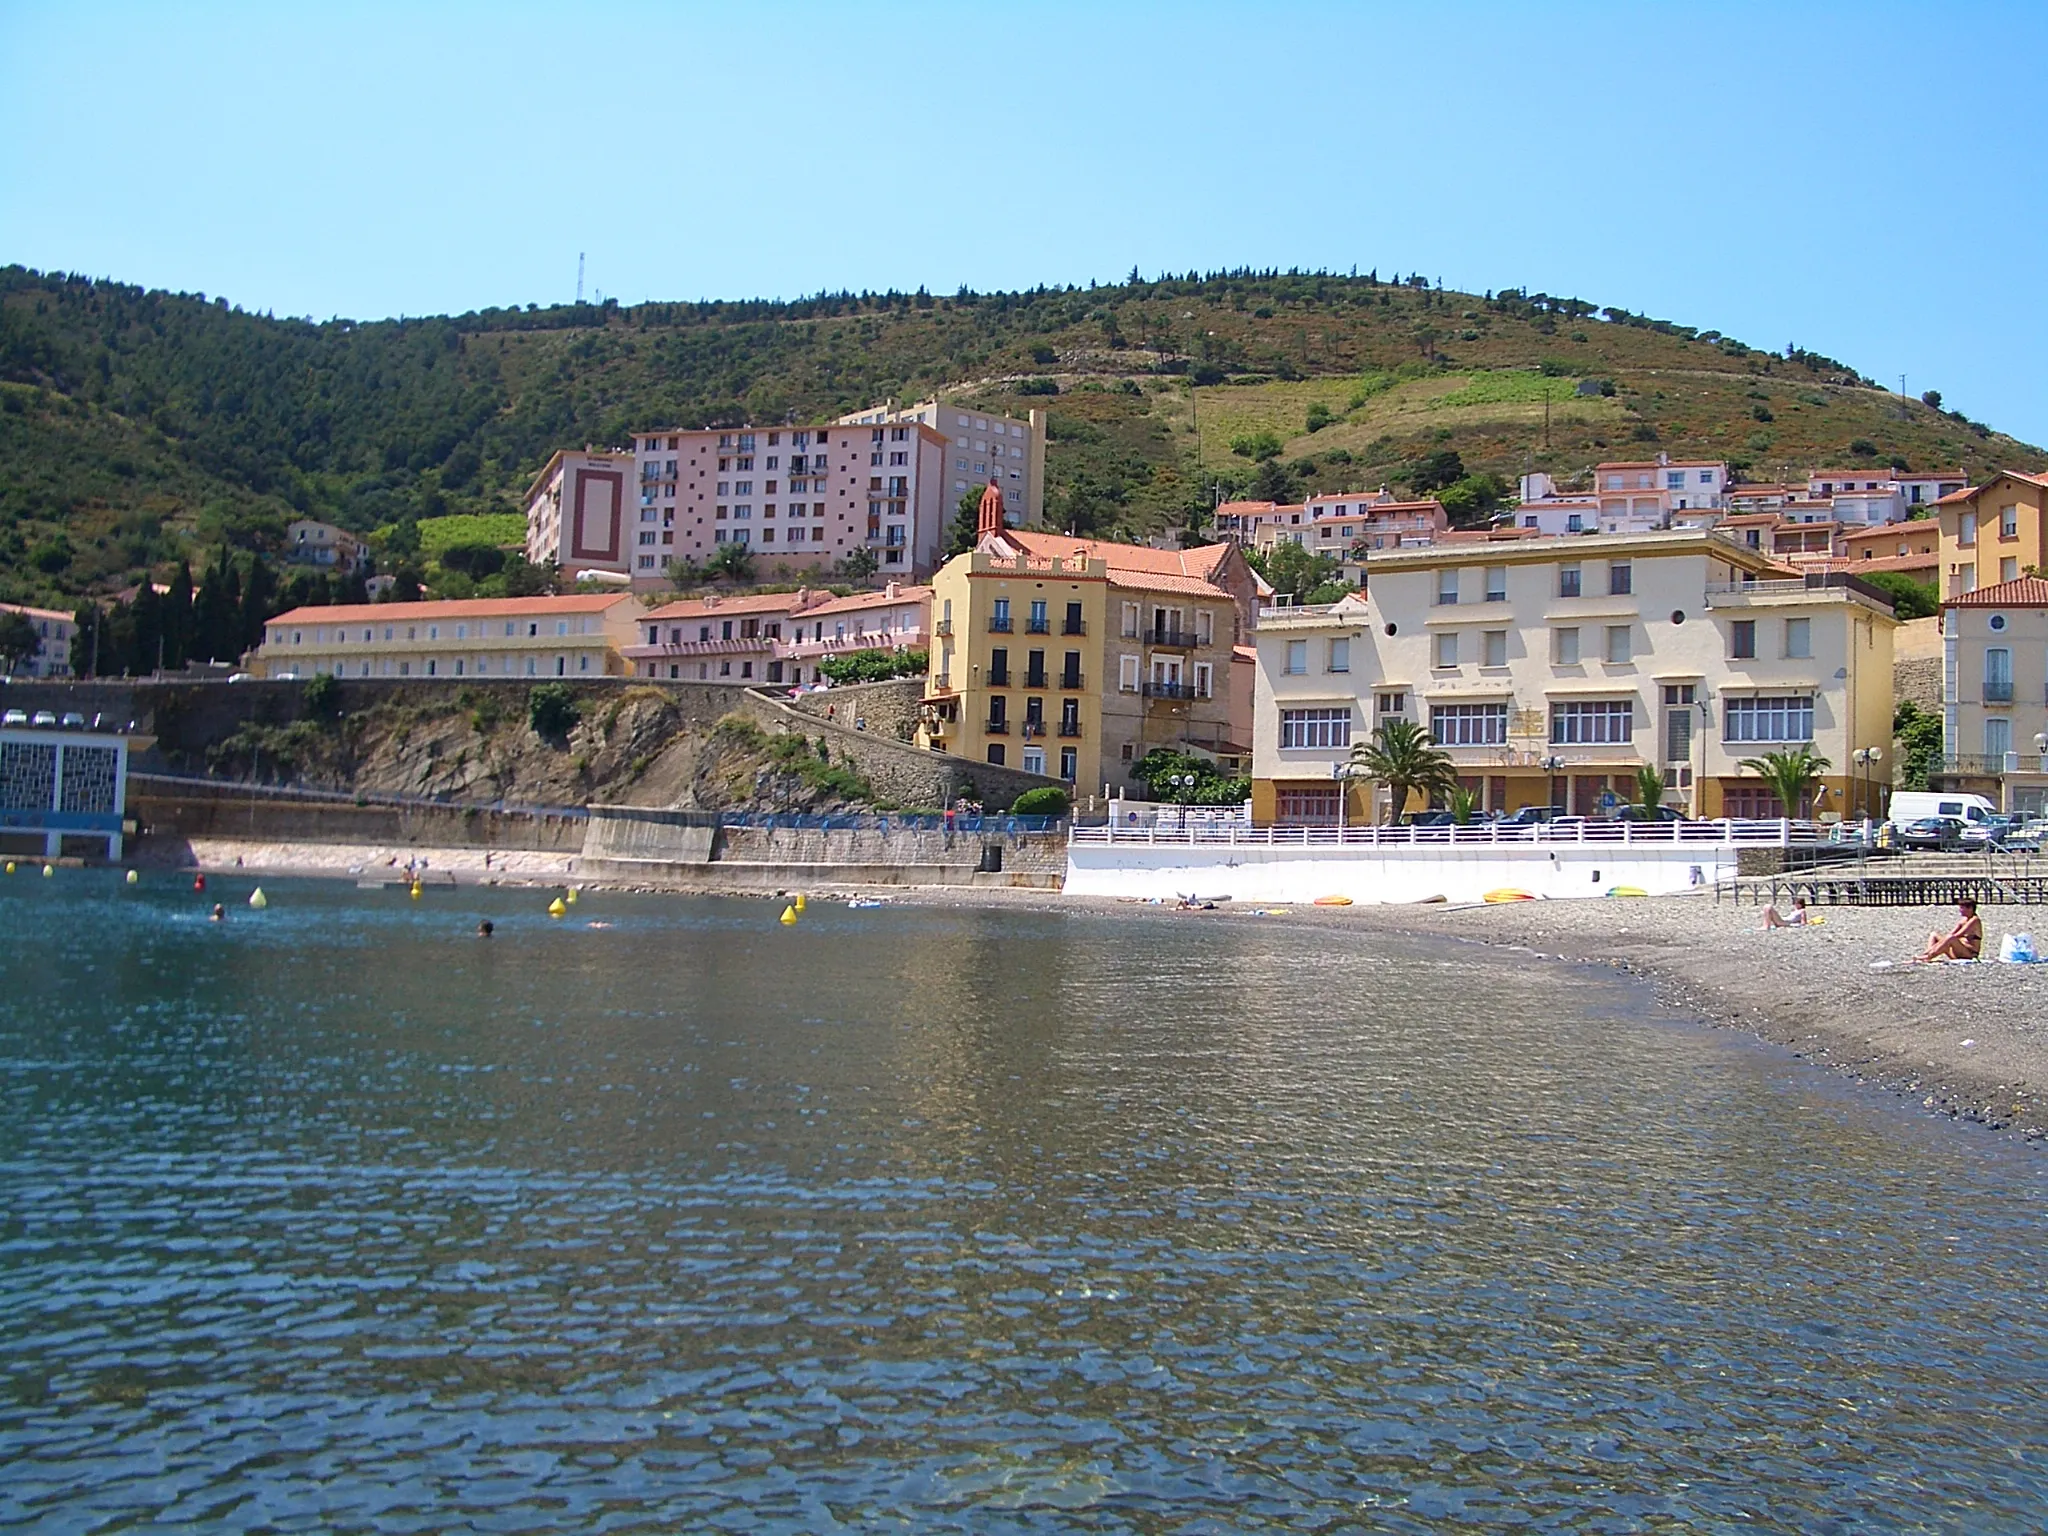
(1033, 728)
(999, 625)
(1997, 690)
(1985, 765)
(1070, 680)
(1037, 626)
(943, 629)
(1074, 627)
(1172, 639)
(997, 727)
(1035, 679)
(999, 677)
(1070, 728)
(1169, 690)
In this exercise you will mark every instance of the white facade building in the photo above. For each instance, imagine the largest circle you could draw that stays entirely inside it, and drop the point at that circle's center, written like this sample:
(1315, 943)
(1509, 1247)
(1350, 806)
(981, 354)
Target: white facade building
(980, 447)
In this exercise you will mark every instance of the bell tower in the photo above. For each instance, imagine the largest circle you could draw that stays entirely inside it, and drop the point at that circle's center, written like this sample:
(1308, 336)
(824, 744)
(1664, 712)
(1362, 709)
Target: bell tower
(990, 518)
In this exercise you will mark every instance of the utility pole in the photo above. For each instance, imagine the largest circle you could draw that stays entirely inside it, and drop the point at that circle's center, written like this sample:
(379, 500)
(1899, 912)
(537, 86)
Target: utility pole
(579, 277)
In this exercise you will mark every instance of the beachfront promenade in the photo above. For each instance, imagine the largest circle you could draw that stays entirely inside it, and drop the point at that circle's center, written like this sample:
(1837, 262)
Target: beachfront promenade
(1369, 865)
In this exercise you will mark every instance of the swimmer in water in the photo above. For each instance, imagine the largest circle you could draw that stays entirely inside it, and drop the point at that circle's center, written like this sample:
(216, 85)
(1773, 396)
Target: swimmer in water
(485, 929)
(218, 915)
(597, 925)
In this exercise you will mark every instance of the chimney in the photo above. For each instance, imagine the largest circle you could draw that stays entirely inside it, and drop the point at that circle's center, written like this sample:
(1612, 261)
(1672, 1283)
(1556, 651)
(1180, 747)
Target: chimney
(893, 589)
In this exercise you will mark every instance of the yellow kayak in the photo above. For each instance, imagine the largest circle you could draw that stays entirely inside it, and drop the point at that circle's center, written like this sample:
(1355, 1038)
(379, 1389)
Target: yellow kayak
(1333, 901)
(1626, 890)
(1496, 897)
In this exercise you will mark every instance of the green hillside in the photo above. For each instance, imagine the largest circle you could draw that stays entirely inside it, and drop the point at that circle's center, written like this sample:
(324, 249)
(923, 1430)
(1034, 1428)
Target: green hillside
(138, 428)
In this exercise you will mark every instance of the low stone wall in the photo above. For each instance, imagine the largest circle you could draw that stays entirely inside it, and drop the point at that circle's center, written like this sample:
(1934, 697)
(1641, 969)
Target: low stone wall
(639, 833)
(901, 774)
(883, 709)
(204, 813)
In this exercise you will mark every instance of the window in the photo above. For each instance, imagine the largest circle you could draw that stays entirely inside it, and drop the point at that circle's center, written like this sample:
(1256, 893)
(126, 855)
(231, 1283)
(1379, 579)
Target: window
(1391, 703)
(1620, 578)
(1130, 620)
(1447, 649)
(2008, 568)
(1313, 728)
(1678, 708)
(1742, 640)
(1315, 807)
(1617, 644)
(1494, 648)
(1447, 586)
(1596, 722)
(1469, 725)
(1798, 638)
(1998, 675)
(1205, 627)
(2008, 522)
(1205, 680)
(1997, 735)
(1127, 674)
(1039, 624)
(1297, 657)
(1966, 528)
(1769, 719)
(1496, 583)
(1340, 656)
(1564, 646)
(1674, 479)
(1568, 581)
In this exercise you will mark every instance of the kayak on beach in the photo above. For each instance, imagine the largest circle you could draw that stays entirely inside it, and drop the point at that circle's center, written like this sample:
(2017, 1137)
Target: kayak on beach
(1495, 898)
(1333, 901)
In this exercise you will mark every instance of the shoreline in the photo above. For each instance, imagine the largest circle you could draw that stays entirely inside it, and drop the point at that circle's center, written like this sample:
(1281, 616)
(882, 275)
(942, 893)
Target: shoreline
(1968, 1041)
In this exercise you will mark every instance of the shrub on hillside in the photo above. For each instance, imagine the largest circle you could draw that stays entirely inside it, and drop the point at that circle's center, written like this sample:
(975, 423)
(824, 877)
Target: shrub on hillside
(1044, 801)
(874, 666)
(1256, 445)
(322, 694)
(552, 711)
(1038, 387)
(1319, 417)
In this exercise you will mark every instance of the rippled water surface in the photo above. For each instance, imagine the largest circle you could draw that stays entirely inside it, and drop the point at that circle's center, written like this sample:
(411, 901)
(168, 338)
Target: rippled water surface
(338, 1218)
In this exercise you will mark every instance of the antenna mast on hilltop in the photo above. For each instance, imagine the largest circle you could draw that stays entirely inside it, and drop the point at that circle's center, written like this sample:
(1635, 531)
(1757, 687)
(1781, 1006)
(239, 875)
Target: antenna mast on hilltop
(579, 277)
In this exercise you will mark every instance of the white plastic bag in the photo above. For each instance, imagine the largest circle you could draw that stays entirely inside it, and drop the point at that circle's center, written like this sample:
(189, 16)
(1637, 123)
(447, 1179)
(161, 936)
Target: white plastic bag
(2017, 949)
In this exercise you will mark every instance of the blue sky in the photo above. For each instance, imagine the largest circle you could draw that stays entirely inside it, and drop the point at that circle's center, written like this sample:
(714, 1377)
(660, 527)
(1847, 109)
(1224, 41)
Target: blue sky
(1864, 180)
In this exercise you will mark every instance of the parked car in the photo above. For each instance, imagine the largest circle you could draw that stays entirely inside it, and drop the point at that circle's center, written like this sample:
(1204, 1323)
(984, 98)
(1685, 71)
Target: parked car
(1649, 813)
(14, 717)
(1533, 815)
(44, 717)
(1428, 819)
(1938, 832)
(73, 720)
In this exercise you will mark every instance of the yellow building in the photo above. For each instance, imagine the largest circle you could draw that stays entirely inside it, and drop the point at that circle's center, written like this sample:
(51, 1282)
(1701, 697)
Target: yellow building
(1993, 532)
(575, 636)
(1076, 657)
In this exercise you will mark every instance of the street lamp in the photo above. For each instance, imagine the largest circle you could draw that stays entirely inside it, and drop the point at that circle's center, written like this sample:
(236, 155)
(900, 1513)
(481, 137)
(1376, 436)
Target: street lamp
(1866, 760)
(1553, 766)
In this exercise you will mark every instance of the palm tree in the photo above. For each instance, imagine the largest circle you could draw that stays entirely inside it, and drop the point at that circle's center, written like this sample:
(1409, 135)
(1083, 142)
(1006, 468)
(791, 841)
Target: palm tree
(1792, 776)
(1464, 806)
(1401, 756)
(1649, 787)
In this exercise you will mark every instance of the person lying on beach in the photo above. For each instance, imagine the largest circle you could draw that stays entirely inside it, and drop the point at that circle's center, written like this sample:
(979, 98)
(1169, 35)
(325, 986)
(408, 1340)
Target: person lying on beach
(1798, 917)
(1965, 941)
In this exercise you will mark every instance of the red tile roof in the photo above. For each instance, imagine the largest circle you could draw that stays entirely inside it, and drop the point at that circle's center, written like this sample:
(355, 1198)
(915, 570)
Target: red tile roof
(800, 600)
(465, 608)
(2020, 592)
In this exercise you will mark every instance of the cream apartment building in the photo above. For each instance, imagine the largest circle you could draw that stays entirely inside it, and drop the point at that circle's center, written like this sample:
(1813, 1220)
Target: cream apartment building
(536, 637)
(982, 448)
(1994, 693)
(54, 632)
(1552, 669)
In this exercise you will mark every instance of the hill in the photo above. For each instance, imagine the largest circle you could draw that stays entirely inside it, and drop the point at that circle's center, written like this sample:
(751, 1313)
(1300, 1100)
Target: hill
(140, 427)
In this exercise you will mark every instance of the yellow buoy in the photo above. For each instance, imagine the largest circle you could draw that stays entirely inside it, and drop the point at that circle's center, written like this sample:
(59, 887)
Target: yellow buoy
(801, 904)
(133, 877)
(557, 908)
(48, 871)
(10, 866)
(789, 917)
(571, 897)
(258, 900)
(415, 891)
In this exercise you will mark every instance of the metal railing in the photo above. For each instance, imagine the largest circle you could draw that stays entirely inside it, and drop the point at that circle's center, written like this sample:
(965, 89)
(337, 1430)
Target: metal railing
(1761, 834)
(1074, 627)
(1169, 690)
(1173, 639)
(175, 783)
(999, 626)
(1997, 690)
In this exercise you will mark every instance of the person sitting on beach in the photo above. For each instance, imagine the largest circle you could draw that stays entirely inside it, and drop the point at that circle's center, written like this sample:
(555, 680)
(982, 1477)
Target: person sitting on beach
(1965, 941)
(1798, 917)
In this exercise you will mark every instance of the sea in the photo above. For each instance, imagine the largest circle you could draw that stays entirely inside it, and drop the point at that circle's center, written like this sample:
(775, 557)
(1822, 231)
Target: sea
(665, 1215)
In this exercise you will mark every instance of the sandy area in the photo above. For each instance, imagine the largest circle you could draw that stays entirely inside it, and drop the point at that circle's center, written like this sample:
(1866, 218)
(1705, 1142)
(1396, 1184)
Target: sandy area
(1966, 1040)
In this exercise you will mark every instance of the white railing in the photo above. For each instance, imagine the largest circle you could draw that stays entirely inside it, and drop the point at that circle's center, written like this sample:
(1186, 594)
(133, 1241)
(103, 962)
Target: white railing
(1761, 834)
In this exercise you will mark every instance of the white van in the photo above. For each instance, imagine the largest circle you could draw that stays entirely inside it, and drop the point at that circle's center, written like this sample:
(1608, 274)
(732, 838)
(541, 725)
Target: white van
(1911, 805)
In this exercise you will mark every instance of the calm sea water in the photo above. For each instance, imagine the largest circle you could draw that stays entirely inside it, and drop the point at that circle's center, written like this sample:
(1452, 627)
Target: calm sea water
(338, 1218)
